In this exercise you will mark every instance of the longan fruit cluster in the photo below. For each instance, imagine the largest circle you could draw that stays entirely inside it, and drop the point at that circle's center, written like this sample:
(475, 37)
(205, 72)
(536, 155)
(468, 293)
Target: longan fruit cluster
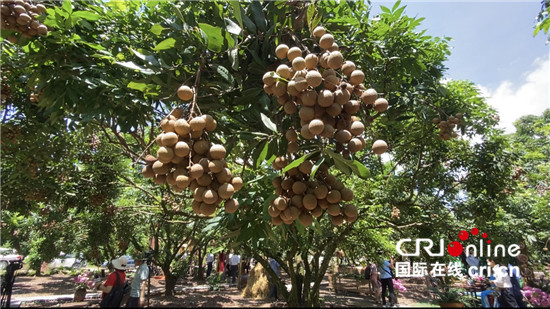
(302, 199)
(325, 91)
(187, 159)
(446, 127)
(21, 16)
(35, 96)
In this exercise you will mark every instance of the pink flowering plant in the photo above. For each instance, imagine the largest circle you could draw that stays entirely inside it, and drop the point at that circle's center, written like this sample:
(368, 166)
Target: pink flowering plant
(536, 297)
(398, 285)
(84, 281)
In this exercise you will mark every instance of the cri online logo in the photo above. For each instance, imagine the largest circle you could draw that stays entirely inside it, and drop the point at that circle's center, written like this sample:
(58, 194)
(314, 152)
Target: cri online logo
(455, 248)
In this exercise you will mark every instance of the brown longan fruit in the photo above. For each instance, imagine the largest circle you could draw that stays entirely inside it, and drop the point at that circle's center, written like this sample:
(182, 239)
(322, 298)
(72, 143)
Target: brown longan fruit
(185, 93)
(306, 133)
(356, 128)
(291, 135)
(306, 113)
(352, 107)
(331, 82)
(165, 154)
(182, 127)
(379, 147)
(326, 41)
(311, 61)
(334, 110)
(169, 139)
(348, 67)
(293, 53)
(290, 108)
(342, 136)
(269, 78)
(356, 77)
(231, 205)
(226, 190)
(197, 124)
(380, 105)
(369, 96)
(316, 126)
(314, 78)
(298, 63)
(319, 31)
(281, 51)
(211, 123)
(292, 147)
(284, 71)
(335, 60)
(328, 131)
(325, 98)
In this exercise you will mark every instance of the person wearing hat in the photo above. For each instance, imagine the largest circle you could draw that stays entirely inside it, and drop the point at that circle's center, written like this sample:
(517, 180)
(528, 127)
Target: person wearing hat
(139, 282)
(120, 268)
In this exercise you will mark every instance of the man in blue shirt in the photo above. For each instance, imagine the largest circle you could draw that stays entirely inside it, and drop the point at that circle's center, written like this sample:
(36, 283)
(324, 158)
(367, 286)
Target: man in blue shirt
(275, 266)
(386, 277)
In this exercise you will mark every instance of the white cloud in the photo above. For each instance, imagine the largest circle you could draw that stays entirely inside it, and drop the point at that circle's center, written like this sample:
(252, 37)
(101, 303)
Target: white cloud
(530, 97)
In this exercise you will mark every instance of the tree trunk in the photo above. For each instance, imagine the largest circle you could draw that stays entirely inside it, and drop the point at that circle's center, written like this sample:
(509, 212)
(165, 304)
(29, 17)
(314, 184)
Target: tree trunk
(200, 272)
(170, 281)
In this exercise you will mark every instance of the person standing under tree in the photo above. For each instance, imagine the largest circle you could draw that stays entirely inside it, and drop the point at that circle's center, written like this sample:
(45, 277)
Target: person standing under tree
(386, 278)
(503, 284)
(275, 266)
(139, 282)
(209, 262)
(235, 261)
(221, 262)
(120, 270)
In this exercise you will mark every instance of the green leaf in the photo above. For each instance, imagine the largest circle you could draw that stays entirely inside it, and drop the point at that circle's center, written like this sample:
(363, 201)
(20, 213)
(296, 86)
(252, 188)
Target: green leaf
(67, 6)
(156, 29)
(178, 13)
(263, 154)
(299, 161)
(93, 45)
(316, 167)
(339, 162)
(268, 123)
(258, 15)
(248, 24)
(214, 36)
(361, 170)
(86, 15)
(146, 56)
(224, 73)
(237, 11)
(137, 86)
(310, 12)
(396, 5)
(166, 44)
(133, 66)
(232, 27)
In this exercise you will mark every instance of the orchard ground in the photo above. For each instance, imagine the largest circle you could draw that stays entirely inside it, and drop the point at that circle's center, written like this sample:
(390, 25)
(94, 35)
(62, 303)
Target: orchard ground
(34, 291)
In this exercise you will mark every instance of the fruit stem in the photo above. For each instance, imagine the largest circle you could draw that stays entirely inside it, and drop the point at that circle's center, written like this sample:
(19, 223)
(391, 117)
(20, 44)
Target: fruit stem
(195, 89)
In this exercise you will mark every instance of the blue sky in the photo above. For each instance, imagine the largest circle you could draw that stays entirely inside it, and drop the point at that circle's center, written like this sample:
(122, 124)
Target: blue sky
(492, 46)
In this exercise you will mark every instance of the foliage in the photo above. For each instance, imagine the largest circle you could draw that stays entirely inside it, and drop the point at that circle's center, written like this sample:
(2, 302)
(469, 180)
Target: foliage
(107, 74)
(543, 22)
(447, 294)
(214, 281)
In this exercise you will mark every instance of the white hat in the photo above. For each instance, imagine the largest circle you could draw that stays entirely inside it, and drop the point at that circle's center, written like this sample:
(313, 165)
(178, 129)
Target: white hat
(120, 263)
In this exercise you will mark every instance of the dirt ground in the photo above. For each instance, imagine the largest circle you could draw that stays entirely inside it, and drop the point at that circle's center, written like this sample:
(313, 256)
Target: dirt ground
(61, 284)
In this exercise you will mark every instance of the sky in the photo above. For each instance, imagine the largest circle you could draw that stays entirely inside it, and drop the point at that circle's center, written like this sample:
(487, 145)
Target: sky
(492, 46)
